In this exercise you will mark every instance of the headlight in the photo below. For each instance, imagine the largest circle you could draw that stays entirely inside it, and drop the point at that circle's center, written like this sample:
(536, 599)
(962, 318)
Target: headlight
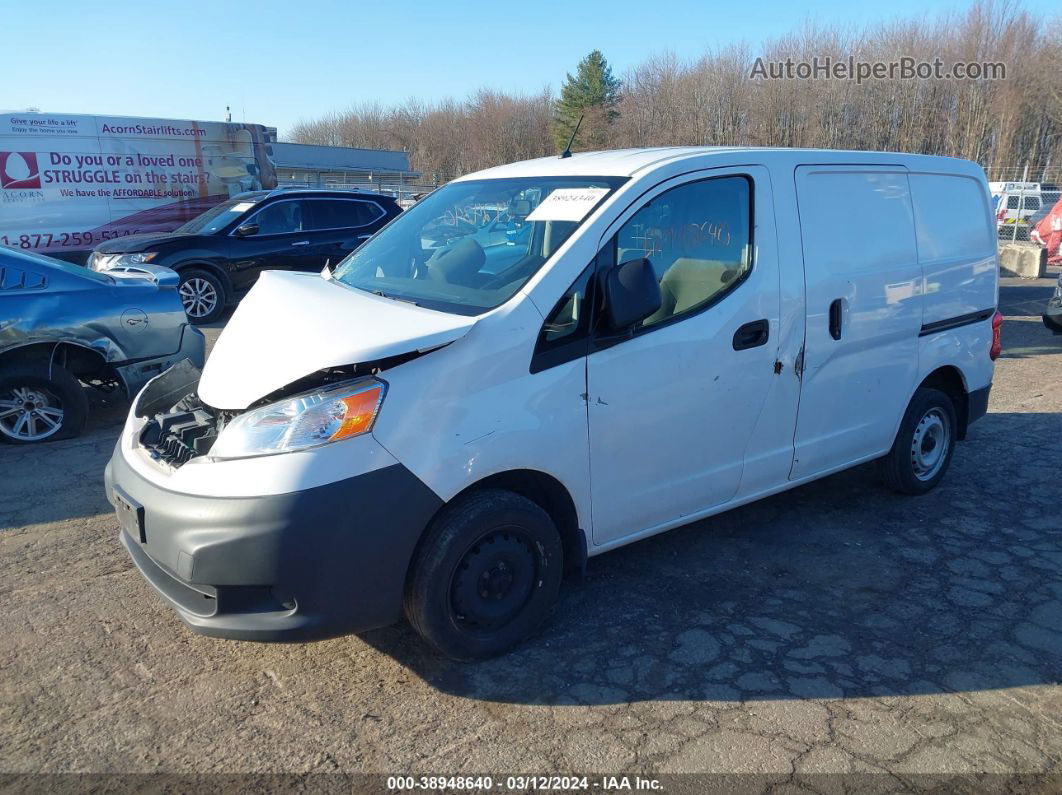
(106, 262)
(311, 419)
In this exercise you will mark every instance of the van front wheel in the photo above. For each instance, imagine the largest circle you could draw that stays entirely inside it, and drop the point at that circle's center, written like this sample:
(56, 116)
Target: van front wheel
(485, 576)
(924, 444)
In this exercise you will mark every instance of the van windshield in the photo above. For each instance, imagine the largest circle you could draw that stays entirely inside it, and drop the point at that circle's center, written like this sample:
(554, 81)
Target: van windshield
(470, 246)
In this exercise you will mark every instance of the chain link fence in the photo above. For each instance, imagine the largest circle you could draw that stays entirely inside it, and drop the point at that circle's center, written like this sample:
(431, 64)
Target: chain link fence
(1021, 201)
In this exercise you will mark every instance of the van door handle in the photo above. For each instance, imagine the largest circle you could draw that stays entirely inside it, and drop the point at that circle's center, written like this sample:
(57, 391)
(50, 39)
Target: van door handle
(301, 243)
(752, 335)
(835, 319)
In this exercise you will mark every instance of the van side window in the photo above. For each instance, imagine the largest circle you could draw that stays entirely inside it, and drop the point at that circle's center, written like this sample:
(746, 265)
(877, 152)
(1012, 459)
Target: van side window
(565, 333)
(698, 239)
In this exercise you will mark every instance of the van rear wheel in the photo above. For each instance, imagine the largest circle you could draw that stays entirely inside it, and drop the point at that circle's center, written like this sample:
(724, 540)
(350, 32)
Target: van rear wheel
(924, 445)
(485, 576)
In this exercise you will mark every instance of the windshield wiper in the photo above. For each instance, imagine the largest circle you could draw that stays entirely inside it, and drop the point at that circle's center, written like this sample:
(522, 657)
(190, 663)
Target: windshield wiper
(382, 294)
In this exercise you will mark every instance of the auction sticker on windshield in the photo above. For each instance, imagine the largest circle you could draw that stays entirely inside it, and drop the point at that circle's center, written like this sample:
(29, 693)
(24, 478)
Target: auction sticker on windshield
(567, 204)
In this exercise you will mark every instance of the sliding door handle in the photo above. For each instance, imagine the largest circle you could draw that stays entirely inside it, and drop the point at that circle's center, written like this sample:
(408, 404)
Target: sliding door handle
(835, 318)
(752, 335)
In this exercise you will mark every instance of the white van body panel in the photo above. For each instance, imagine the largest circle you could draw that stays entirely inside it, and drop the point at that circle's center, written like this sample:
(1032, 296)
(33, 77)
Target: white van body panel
(472, 410)
(859, 255)
(956, 248)
(704, 406)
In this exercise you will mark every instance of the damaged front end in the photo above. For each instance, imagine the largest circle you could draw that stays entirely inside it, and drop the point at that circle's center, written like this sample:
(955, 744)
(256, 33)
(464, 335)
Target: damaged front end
(180, 426)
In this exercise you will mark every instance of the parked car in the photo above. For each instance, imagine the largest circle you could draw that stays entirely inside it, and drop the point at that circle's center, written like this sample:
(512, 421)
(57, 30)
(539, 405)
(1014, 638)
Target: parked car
(62, 326)
(417, 432)
(223, 251)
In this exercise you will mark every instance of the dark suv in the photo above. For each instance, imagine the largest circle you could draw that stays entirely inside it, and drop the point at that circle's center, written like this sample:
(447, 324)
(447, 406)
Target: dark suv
(222, 251)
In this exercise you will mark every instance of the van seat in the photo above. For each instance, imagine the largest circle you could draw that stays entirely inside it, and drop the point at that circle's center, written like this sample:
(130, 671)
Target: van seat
(689, 282)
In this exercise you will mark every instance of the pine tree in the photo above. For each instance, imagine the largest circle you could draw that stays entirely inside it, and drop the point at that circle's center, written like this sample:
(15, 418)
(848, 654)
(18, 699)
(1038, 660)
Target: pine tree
(592, 93)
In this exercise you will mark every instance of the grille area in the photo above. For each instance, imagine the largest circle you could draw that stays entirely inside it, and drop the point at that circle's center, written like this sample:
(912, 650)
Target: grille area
(188, 430)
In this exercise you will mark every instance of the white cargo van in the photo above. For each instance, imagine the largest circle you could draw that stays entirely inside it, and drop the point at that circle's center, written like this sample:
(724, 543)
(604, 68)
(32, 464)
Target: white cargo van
(452, 418)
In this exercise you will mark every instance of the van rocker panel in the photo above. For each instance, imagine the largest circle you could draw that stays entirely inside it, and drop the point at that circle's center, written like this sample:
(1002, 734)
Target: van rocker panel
(340, 552)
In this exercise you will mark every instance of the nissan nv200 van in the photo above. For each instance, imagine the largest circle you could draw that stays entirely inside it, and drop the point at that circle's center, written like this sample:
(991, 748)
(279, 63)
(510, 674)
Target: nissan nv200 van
(449, 420)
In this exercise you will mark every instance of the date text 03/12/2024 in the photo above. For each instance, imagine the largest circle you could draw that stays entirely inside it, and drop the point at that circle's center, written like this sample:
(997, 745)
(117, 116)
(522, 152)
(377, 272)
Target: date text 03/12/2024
(523, 783)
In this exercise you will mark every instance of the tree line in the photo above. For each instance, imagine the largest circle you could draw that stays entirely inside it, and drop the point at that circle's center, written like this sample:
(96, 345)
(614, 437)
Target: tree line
(1004, 124)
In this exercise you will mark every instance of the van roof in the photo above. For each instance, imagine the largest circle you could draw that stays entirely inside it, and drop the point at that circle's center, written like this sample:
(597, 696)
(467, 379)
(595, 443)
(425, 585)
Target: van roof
(629, 162)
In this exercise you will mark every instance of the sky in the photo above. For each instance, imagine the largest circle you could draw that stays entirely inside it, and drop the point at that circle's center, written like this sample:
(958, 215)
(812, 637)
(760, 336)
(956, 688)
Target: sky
(275, 63)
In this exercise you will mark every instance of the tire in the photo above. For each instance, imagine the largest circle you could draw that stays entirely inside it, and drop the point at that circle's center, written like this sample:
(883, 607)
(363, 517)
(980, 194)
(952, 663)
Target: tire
(203, 294)
(924, 444)
(40, 403)
(485, 576)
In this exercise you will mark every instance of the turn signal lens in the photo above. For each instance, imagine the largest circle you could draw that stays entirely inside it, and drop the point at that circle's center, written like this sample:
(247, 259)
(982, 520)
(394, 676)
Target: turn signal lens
(997, 337)
(359, 413)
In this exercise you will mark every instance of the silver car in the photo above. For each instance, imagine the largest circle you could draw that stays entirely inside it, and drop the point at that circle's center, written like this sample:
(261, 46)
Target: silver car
(63, 327)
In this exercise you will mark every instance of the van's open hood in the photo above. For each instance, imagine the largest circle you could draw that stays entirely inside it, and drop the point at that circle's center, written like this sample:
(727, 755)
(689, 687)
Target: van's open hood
(293, 324)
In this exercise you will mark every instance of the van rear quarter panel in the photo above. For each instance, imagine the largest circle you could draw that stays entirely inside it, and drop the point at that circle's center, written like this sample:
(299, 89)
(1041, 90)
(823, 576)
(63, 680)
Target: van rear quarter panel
(956, 245)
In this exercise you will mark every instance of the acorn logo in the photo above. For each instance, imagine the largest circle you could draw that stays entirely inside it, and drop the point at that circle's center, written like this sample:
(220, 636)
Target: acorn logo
(19, 171)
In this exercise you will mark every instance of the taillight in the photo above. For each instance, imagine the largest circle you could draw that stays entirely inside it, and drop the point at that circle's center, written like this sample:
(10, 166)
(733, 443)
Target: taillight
(1000, 215)
(997, 340)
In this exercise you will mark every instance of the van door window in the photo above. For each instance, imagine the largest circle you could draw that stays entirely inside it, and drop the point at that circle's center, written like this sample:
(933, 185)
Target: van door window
(697, 238)
(564, 335)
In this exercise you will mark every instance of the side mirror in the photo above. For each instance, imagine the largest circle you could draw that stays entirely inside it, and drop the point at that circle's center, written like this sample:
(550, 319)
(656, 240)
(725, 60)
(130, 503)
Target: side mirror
(246, 230)
(632, 293)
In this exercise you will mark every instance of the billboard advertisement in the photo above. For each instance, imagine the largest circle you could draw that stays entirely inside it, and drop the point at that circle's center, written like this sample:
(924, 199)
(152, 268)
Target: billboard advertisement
(69, 182)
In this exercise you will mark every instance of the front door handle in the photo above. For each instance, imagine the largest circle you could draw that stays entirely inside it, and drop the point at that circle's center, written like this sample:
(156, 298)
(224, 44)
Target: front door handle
(752, 335)
(301, 243)
(835, 319)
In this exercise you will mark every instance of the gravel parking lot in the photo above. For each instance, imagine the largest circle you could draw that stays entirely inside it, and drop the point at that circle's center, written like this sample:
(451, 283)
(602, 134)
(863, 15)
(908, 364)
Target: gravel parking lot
(835, 628)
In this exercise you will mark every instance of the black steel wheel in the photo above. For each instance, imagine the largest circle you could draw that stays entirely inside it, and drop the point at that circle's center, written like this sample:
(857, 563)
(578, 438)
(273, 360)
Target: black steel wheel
(485, 575)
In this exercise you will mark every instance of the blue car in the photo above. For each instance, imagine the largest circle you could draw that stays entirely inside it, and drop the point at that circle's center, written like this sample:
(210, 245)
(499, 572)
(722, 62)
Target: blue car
(63, 327)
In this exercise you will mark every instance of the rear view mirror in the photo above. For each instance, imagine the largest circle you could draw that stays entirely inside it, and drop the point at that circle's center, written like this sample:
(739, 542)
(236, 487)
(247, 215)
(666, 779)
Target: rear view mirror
(247, 230)
(632, 293)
